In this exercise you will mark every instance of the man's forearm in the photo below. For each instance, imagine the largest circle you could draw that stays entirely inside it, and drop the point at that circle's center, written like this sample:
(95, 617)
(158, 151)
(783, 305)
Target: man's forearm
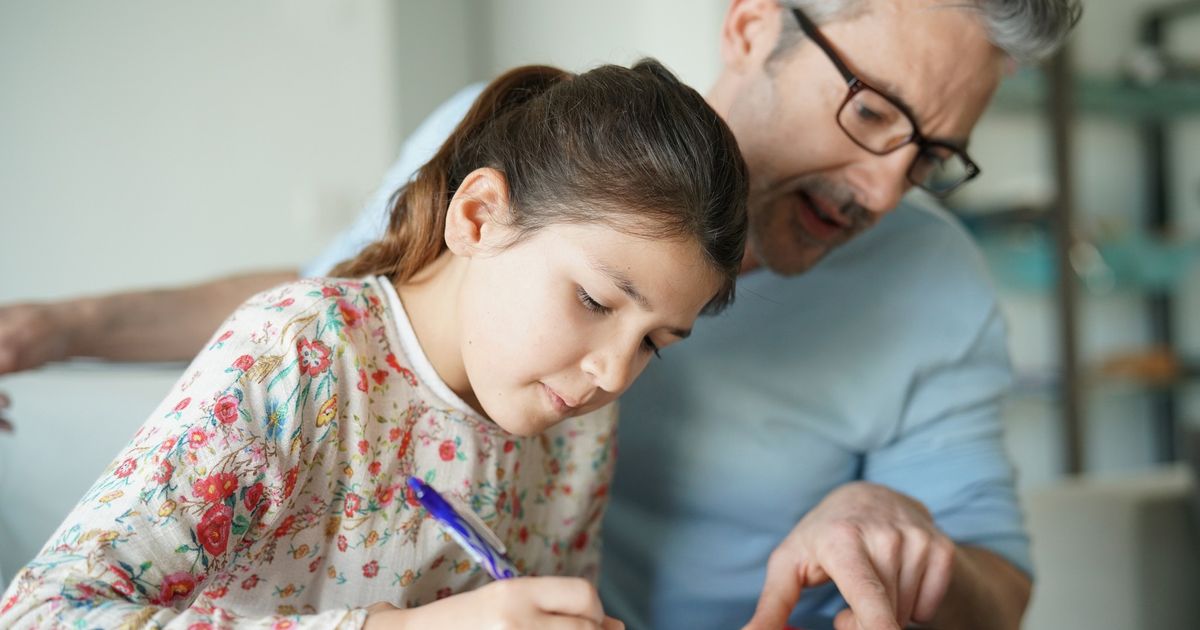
(159, 325)
(986, 592)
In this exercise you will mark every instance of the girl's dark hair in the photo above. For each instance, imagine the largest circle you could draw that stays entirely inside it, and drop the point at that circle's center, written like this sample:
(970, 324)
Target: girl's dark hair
(628, 147)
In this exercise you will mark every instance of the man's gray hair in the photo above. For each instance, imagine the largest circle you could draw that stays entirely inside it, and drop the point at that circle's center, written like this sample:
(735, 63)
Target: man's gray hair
(1026, 30)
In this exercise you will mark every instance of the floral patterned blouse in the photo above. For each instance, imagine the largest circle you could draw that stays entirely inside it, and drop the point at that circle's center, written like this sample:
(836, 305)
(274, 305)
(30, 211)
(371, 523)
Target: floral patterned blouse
(268, 490)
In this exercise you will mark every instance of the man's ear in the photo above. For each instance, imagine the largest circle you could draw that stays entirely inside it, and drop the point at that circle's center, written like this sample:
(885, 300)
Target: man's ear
(749, 33)
(477, 219)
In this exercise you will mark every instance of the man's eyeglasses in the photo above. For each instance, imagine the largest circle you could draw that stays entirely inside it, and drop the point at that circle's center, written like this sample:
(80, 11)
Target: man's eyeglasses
(881, 124)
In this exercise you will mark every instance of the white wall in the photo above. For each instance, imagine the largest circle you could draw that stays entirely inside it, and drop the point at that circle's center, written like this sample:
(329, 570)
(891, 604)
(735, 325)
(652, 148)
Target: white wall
(578, 35)
(159, 142)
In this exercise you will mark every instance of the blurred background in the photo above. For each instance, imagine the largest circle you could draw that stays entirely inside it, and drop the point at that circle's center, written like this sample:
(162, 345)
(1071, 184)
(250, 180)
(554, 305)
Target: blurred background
(156, 143)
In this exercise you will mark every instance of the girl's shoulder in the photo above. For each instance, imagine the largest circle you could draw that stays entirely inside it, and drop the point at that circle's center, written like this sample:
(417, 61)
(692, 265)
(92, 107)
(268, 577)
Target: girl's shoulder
(332, 310)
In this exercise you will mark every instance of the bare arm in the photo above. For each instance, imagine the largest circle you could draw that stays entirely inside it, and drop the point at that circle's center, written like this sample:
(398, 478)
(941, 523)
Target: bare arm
(986, 592)
(154, 325)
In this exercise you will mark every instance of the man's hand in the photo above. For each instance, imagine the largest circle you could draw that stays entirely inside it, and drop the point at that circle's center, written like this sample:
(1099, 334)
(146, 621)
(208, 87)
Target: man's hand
(5, 425)
(881, 548)
(32, 335)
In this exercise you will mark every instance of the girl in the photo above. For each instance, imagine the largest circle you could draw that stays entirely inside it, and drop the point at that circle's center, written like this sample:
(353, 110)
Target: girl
(569, 229)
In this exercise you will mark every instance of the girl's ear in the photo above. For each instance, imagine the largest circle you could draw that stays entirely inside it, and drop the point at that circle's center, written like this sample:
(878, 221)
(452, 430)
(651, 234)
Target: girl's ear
(477, 220)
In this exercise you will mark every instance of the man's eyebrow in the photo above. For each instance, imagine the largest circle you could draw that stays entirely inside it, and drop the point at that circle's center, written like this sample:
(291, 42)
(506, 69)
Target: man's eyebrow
(893, 92)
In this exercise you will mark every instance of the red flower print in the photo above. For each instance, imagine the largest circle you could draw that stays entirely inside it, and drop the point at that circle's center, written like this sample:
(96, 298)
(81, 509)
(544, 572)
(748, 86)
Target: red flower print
(164, 472)
(215, 487)
(410, 498)
(285, 527)
(404, 444)
(167, 445)
(384, 495)
(122, 584)
(126, 468)
(379, 376)
(253, 496)
(197, 438)
(555, 467)
(175, 587)
(225, 336)
(409, 377)
(244, 362)
(580, 541)
(342, 543)
(284, 303)
(446, 450)
(183, 404)
(374, 468)
(284, 624)
(226, 409)
(371, 569)
(213, 530)
(314, 356)
(443, 593)
(250, 582)
(524, 534)
(394, 434)
(9, 603)
(509, 445)
(350, 314)
(330, 292)
(289, 480)
(200, 625)
(314, 565)
(217, 593)
(363, 446)
(362, 381)
(352, 503)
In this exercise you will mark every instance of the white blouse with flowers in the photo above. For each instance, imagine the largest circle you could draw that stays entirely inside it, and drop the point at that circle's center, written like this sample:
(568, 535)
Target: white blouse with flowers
(268, 489)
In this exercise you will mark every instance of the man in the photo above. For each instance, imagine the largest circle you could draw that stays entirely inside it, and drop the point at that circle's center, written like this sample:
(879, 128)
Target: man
(838, 427)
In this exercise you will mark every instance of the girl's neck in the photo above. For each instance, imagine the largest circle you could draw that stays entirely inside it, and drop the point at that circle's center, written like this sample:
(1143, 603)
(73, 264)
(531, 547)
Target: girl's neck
(431, 300)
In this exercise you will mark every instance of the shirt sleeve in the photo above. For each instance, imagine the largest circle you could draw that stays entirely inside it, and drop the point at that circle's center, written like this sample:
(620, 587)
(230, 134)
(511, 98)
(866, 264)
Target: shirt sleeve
(417, 150)
(950, 453)
(207, 484)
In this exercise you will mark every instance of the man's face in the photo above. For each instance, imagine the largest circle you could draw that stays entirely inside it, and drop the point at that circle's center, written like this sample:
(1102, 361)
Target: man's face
(812, 187)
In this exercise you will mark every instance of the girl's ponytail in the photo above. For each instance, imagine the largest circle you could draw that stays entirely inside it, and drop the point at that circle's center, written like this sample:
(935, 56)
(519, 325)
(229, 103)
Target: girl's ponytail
(414, 236)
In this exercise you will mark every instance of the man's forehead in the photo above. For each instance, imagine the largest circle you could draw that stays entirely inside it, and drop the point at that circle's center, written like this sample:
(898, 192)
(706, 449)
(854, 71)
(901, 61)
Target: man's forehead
(933, 56)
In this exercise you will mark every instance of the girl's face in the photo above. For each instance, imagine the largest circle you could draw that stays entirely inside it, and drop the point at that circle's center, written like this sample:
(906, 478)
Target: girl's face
(562, 322)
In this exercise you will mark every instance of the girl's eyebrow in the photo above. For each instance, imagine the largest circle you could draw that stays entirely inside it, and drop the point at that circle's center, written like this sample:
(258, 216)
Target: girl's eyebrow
(623, 283)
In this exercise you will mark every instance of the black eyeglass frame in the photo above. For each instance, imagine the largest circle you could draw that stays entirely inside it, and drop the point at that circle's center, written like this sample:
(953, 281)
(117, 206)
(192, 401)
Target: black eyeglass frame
(856, 85)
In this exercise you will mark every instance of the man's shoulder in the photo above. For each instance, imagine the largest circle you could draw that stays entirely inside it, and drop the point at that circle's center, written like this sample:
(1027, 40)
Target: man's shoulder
(922, 238)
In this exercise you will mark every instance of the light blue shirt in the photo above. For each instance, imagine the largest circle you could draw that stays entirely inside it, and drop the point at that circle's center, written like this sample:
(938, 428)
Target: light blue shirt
(885, 363)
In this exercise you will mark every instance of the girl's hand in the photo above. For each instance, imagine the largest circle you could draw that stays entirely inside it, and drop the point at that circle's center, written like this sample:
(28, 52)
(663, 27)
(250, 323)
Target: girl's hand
(531, 602)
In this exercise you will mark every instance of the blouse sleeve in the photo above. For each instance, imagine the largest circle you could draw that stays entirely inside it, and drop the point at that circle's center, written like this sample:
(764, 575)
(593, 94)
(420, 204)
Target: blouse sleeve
(206, 485)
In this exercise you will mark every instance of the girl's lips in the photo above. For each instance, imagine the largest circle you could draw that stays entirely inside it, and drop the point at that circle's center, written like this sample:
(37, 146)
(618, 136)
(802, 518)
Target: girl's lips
(559, 403)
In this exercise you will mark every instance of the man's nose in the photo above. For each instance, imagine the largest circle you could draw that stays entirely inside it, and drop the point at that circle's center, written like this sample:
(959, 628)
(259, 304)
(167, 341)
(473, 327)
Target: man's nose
(880, 181)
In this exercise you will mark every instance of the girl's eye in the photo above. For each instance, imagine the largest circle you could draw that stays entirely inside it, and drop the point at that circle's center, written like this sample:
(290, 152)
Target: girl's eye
(650, 346)
(590, 303)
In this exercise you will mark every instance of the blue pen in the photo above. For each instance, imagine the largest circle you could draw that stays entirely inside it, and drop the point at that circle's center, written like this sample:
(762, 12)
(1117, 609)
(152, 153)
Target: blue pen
(481, 544)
